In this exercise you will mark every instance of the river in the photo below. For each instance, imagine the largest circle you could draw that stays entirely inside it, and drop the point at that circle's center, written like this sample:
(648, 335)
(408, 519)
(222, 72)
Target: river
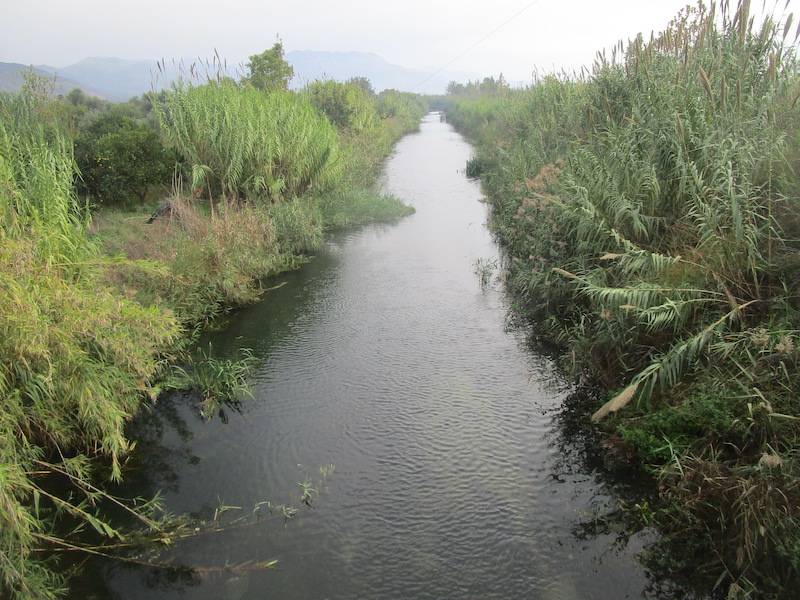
(385, 357)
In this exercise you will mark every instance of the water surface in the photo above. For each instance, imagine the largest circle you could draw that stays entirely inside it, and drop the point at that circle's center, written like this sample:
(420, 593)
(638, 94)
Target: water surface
(384, 357)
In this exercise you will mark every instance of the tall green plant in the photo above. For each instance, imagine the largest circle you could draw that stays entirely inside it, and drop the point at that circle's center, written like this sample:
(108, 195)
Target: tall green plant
(649, 211)
(243, 142)
(347, 105)
(76, 358)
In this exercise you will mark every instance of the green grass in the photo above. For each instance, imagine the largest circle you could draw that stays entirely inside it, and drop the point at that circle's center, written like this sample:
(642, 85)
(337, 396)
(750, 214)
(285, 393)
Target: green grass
(220, 381)
(195, 264)
(349, 208)
(240, 141)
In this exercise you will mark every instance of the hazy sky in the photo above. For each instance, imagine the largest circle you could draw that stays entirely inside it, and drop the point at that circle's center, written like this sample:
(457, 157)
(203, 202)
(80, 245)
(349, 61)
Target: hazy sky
(413, 33)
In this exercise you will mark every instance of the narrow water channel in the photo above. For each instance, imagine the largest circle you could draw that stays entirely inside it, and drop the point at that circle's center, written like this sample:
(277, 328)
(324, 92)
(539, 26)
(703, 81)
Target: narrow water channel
(385, 357)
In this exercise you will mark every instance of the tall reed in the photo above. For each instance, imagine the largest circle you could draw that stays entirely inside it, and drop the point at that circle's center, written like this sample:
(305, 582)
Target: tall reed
(650, 212)
(243, 142)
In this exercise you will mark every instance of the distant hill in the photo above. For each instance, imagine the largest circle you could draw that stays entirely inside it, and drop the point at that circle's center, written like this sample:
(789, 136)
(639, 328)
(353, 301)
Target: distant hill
(12, 76)
(313, 64)
(116, 79)
(120, 79)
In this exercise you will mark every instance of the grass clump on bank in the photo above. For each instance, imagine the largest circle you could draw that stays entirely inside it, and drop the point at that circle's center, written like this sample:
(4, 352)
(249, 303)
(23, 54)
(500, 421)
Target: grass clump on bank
(195, 263)
(349, 208)
(650, 214)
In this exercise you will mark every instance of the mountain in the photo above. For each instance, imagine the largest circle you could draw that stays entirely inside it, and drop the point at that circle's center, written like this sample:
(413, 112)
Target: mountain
(120, 79)
(313, 64)
(12, 76)
(116, 79)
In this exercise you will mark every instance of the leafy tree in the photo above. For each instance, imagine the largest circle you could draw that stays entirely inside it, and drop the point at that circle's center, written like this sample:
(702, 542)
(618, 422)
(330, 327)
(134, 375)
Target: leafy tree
(364, 83)
(270, 70)
(489, 86)
(454, 88)
(120, 159)
(346, 105)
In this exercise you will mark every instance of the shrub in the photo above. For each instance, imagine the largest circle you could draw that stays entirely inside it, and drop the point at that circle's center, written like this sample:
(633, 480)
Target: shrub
(299, 226)
(347, 105)
(404, 107)
(120, 160)
(195, 263)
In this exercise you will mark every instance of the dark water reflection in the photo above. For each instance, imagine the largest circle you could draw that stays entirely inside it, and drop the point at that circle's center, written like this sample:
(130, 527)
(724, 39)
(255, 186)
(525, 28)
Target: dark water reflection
(455, 474)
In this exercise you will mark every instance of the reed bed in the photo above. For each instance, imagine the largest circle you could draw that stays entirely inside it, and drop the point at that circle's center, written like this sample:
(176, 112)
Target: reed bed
(649, 208)
(240, 142)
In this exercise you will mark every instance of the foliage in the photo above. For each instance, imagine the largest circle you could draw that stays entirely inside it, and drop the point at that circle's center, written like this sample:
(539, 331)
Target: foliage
(94, 308)
(121, 160)
(474, 168)
(191, 261)
(348, 208)
(204, 257)
(244, 143)
(705, 412)
(76, 357)
(406, 108)
(79, 111)
(220, 381)
(346, 105)
(485, 269)
(299, 226)
(648, 209)
(78, 98)
(362, 82)
(487, 85)
(269, 70)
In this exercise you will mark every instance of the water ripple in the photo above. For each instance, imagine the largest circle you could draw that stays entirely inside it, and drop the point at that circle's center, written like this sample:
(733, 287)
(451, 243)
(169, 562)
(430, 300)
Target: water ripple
(385, 357)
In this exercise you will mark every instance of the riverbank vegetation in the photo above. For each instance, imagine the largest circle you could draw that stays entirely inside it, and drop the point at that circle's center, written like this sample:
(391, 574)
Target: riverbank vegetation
(649, 209)
(96, 303)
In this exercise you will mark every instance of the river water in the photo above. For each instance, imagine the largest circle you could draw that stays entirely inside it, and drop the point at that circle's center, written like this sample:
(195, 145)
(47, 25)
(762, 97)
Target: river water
(385, 357)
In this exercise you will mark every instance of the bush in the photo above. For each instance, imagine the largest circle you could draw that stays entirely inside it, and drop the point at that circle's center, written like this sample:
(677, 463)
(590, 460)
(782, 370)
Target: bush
(197, 264)
(705, 413)
(347, 208)
(347, 105)
(120, 160)
(406, 108)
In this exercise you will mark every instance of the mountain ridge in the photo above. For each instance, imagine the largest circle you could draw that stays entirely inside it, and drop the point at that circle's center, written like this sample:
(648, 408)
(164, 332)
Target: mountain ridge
(119, 79)
(12, 78)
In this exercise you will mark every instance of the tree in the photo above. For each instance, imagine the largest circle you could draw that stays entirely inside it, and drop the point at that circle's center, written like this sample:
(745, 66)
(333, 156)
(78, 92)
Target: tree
(270, 70)
(364, 83)
(346, 105)
(120, 159)
(454, 88)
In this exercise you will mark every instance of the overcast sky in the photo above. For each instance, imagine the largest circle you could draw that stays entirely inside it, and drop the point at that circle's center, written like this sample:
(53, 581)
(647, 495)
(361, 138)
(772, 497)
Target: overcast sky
(413, 33)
